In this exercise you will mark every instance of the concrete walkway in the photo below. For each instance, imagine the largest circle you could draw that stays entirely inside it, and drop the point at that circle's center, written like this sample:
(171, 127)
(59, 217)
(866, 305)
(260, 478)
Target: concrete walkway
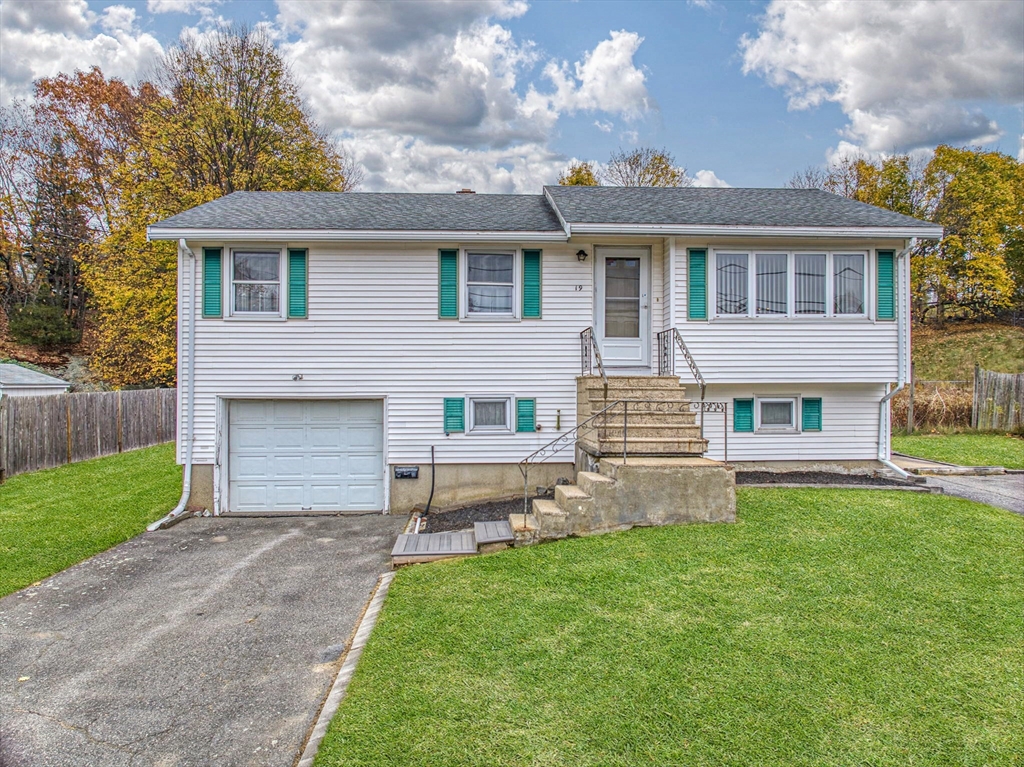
(212, 643)
(1004, 491)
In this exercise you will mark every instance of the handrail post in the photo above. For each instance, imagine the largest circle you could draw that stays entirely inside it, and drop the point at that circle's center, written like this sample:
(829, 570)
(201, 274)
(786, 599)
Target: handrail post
(625, 410)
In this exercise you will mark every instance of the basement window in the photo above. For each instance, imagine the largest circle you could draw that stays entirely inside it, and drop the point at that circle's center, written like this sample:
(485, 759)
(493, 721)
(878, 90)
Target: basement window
(491, 415)
(776, 414)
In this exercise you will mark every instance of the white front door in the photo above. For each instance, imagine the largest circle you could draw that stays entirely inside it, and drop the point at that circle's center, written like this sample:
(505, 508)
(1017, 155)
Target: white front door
(623, 312)
(306, 455)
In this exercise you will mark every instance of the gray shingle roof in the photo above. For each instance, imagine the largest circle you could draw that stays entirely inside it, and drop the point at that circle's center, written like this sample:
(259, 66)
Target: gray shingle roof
(719, 207)
(16, 375)
(371, 212)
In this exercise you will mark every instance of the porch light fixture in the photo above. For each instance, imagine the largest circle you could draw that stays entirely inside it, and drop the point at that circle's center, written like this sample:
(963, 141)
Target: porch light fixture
(581, 255)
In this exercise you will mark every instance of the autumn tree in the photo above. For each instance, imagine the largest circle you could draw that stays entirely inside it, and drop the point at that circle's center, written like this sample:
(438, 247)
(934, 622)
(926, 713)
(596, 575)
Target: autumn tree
(579, 173)
(645, 166)
(227, 116)
(978, 198)
(977, 269)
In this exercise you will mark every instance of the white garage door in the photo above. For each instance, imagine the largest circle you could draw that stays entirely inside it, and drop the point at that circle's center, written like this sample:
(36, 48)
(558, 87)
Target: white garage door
(315, 455)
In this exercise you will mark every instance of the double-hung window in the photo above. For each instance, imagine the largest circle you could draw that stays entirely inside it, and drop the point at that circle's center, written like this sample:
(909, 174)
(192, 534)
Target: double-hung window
(256, 282)
(490, 284)
(767, 284)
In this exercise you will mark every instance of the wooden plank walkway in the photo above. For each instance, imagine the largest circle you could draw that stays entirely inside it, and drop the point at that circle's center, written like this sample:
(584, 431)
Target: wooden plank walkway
(492, 532)
(429, 547)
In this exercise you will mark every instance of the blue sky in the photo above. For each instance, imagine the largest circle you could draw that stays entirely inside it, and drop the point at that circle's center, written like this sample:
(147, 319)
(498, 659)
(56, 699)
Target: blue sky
(499, 95)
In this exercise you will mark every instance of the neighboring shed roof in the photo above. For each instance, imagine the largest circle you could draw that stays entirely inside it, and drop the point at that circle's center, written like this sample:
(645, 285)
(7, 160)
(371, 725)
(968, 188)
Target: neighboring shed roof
(370, 211)
(694, 206)
(14, 376)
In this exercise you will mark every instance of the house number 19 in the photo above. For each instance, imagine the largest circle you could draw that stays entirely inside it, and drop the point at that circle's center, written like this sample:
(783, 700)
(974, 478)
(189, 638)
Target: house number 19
(579, 288)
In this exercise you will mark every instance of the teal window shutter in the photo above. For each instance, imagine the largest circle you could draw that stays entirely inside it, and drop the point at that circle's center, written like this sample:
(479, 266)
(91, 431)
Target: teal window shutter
(212, 285)
(526, 415)
(743, 415)
(448, 285)
(811, 416)
(297, 271)
(697, 285)
(454, 414)
(531, 285)
(886, 285)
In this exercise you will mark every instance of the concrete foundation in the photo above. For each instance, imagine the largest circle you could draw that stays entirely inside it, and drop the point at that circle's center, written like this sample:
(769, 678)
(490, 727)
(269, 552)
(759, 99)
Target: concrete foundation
(457, 484)
(200, 496)
(454, 484)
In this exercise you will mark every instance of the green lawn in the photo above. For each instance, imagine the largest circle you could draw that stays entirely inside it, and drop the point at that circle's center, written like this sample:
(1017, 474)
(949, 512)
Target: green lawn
(49, 520)
(824, 628)
(964, 449)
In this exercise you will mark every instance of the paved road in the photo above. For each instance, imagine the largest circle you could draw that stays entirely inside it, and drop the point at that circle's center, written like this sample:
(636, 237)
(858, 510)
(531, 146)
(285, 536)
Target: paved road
(1005, 491)
(212, 643)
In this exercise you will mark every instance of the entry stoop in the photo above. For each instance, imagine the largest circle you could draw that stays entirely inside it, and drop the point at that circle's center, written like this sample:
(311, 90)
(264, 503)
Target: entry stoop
(640, 492)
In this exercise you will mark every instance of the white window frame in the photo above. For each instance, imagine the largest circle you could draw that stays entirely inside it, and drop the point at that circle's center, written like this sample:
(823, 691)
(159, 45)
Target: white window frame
(517, 285)
(282, 293)
(793, 428)
(791, 314)
(471, 426)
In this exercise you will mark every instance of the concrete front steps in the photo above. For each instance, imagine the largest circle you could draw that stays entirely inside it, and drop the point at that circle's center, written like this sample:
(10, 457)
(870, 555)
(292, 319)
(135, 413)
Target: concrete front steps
(658, 422)
(412, 548)
(641, 492)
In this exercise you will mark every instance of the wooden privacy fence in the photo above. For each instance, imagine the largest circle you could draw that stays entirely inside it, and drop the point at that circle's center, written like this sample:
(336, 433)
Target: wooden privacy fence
(42, 432)
(998, 401)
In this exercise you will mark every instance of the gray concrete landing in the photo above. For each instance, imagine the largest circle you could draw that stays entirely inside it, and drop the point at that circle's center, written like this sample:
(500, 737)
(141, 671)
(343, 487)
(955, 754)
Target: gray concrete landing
(212, 643)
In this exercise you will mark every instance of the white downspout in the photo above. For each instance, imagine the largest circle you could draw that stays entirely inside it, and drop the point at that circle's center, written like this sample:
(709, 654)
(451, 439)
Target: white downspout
(179, 513)
(903, 335)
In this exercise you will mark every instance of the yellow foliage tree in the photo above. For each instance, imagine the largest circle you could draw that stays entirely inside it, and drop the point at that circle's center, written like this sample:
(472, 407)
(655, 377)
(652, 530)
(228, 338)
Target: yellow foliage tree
(228, 118)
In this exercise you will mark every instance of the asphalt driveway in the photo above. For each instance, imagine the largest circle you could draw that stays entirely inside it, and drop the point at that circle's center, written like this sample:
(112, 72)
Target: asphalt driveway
(212, 643)
(1004, 491)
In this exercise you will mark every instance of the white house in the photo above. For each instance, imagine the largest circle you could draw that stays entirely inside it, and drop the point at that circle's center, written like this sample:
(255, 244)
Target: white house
(18, 381)
(330, 343)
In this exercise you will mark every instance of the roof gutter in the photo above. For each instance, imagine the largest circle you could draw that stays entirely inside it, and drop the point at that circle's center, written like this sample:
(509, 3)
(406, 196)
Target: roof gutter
(179, 512)
(704, 230)
(901, 294)
(352, 235)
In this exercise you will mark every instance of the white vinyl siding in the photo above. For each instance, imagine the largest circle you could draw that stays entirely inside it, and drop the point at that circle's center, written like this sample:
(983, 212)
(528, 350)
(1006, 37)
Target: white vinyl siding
(849, 424)
(373, 332)
(792, 348)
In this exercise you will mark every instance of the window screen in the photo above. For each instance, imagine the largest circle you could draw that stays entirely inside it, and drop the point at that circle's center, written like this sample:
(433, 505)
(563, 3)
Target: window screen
(772, 283)
(849, 283)
(256, 278)
(810, 283)
(490, 283)
(732, 285)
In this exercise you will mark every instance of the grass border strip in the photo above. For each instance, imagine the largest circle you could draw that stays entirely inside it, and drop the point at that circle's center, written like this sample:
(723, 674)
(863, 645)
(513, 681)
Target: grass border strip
(348, 667)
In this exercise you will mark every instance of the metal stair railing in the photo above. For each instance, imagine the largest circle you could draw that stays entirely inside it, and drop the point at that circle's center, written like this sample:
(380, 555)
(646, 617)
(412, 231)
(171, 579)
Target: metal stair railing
(570, 437)
(668, 341)
(589, 353)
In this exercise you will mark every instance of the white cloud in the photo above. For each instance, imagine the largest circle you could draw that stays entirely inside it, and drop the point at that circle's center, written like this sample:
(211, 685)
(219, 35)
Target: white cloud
(42, 39)
(906, 74)
(408, 164)
(437, 95)
(605, 126)
(204, 7)
(606, 79)
(709, 179)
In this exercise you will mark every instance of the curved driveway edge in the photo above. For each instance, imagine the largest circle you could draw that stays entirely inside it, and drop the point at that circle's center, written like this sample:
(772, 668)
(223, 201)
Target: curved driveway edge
(211, 643)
